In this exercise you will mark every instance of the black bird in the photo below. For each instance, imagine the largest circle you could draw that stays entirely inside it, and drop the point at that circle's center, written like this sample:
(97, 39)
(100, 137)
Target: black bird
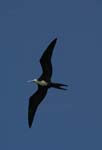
(44, 82)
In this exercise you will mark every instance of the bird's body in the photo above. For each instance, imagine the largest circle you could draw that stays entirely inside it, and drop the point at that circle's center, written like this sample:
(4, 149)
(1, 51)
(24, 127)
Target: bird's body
(43, 82)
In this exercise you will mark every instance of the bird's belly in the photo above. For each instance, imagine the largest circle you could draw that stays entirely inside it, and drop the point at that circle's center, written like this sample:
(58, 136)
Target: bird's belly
(42, 83)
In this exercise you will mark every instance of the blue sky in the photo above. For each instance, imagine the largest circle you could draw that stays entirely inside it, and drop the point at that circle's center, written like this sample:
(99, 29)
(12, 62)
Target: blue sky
(65, 120)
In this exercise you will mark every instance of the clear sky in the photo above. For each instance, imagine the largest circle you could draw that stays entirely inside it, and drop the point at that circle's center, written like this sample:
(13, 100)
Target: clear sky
(66, 120)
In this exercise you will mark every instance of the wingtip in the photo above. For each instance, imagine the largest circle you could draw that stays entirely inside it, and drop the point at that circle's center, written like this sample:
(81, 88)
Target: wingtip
(29, 127)
(30, 121)
(29, 124)
(55, 39)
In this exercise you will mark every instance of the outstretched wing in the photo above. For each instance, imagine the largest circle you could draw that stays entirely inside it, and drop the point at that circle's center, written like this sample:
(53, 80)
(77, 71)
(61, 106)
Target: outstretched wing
(34, 101)
(45, 62)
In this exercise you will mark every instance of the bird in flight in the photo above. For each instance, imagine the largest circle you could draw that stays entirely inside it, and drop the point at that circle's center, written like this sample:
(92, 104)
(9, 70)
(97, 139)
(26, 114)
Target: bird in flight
(44, 82)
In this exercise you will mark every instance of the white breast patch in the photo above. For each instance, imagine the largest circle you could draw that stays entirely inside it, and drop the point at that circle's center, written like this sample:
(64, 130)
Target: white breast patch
(43, 83)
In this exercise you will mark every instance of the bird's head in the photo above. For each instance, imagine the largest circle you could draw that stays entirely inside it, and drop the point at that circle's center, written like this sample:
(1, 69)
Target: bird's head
(34, 80)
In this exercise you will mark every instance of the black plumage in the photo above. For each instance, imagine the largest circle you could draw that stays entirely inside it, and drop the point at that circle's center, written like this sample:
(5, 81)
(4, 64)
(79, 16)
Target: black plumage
(39, 95)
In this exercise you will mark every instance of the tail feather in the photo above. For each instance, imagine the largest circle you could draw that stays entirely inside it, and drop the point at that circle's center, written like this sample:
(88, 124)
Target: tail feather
(58, 86)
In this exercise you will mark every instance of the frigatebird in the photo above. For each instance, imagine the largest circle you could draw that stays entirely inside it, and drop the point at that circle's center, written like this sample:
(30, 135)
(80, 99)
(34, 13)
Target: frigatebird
(43, 82)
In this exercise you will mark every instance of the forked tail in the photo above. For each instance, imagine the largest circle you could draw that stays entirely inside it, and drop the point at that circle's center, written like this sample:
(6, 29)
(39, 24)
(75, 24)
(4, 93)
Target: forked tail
(58, 86)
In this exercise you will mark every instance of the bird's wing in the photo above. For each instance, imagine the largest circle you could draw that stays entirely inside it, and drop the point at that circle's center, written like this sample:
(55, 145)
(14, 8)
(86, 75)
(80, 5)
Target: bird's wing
(34, 101)
(45, 62)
